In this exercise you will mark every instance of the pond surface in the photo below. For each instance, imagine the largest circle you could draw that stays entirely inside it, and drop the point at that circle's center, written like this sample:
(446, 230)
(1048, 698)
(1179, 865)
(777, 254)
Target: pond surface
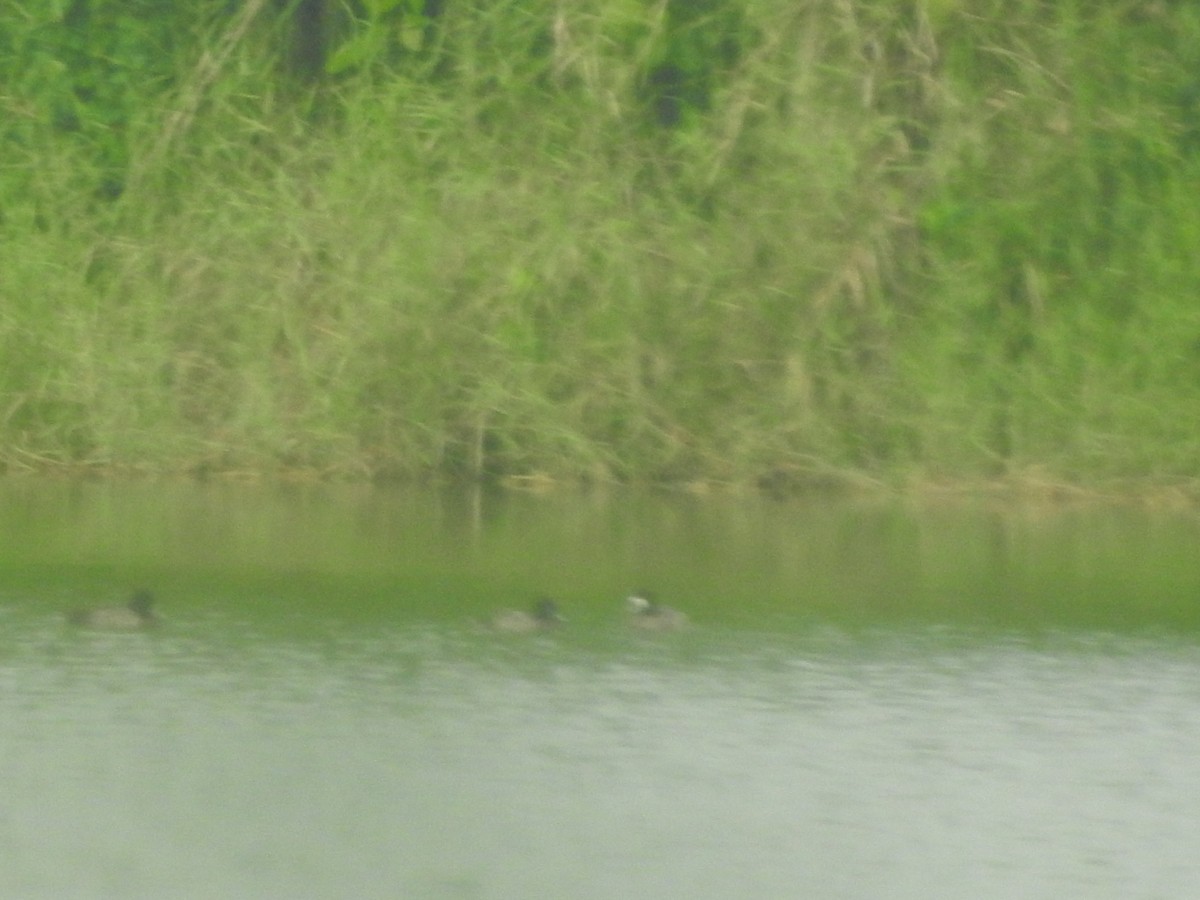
(872, 700)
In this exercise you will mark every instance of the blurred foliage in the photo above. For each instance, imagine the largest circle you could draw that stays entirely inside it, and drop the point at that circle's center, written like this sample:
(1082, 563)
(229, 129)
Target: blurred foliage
(743, 239)
(80, 70)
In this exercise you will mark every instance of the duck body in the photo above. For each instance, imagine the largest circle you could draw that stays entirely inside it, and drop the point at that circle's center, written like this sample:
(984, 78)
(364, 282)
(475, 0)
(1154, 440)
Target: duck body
(543, 617)
(137, 614)
(648, 614)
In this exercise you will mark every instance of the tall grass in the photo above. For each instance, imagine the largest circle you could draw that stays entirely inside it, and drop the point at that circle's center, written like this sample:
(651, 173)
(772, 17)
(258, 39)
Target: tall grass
(874, 241)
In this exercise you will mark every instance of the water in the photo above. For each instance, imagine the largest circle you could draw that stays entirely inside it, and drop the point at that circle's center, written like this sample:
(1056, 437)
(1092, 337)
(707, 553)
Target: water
(874, 701)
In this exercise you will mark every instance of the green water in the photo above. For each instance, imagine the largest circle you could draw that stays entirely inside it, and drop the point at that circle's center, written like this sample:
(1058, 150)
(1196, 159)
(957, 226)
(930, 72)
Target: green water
(873, 700)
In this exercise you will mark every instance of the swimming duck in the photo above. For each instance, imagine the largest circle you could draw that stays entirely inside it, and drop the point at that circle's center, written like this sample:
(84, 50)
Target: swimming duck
(645, 612)
(542, 617)
(137, 613)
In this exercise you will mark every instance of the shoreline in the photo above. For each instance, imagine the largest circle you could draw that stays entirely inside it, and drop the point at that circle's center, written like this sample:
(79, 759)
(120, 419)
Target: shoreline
(1030, 487)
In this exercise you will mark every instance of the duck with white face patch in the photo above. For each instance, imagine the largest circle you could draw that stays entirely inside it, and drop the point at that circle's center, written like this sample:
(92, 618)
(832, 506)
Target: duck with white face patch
(647, 613)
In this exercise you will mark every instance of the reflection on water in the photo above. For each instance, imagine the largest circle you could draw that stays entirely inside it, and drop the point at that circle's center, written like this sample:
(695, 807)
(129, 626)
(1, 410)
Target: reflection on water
(329, 720)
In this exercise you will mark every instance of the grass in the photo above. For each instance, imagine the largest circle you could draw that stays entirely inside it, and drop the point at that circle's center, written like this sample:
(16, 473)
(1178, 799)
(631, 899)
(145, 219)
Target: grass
(886, 243)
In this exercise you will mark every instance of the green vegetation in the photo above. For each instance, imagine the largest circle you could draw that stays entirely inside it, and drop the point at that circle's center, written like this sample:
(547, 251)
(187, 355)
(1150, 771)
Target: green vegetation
(758, 241)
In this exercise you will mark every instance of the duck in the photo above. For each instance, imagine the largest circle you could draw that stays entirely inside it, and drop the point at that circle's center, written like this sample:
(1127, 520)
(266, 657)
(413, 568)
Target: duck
(647, 613)
(543, 616)
(137, 614)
